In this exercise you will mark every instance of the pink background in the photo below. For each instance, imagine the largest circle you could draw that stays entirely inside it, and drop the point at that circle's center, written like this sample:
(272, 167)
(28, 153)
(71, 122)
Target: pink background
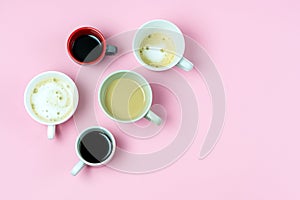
(255, 46)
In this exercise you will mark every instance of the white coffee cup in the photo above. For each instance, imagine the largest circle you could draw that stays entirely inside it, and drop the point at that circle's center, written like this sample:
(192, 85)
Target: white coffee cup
(101, 133)
(171, 31)
(65, 86)
(146, 113)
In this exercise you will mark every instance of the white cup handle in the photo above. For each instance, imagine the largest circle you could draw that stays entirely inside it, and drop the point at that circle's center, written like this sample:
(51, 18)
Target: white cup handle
(151, 116)
(76, 169)
(185, 64)
(51, 132)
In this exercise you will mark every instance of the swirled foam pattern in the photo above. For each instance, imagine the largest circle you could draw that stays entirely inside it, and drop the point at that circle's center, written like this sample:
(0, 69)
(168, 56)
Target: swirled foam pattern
(52, 100)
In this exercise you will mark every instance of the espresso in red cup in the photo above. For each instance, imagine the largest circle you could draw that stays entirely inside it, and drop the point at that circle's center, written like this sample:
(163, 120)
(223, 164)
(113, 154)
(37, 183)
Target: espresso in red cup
(87, 45)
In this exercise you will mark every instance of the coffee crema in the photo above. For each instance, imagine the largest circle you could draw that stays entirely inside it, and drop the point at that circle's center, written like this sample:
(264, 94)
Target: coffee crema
(125, 99)
(157, 50)
(52, 100)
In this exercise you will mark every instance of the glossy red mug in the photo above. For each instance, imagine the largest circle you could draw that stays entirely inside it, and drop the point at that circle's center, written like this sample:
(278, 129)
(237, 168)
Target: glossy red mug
(87, 46)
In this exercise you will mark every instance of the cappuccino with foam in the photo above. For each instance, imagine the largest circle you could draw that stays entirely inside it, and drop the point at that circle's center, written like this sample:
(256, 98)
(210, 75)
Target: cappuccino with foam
(52, 100)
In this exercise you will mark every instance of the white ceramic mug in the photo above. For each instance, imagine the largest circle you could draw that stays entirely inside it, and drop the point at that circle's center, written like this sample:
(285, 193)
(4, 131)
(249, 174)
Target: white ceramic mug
(171, 31)
(142, 82)
(93, 147)
(70, 90)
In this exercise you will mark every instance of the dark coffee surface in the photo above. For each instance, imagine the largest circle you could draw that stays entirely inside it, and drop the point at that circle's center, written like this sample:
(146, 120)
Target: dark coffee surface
(95, 147)
(86, 48)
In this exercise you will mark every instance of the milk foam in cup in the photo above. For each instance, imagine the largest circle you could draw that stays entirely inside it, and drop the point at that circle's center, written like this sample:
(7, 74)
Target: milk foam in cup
(51, 98)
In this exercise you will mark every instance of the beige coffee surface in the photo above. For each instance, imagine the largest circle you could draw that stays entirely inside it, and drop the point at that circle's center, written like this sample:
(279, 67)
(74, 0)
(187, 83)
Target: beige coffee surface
(157, 50)
(52, 100)
(125, 99)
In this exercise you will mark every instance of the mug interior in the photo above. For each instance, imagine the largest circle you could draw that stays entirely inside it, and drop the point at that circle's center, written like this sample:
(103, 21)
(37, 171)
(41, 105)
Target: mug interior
(160, 26)
(86, 31)
(44, 76)
(129, 75)
(102, 131)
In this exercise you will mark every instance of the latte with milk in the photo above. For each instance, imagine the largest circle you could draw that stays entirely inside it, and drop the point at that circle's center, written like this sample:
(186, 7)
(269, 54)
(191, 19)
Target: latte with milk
(125, 99)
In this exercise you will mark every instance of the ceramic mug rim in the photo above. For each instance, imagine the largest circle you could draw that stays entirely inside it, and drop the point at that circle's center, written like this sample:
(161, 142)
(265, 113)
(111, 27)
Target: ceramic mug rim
(97, 34)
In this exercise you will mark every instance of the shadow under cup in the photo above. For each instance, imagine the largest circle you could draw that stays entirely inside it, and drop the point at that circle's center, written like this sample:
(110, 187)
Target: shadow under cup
(125, 96)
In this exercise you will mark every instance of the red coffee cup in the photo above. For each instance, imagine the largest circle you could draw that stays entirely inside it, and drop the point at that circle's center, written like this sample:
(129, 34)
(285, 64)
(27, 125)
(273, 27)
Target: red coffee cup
(87, 46)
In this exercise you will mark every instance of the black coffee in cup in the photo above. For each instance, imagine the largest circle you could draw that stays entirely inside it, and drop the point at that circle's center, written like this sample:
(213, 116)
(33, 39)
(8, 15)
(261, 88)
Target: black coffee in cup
(86, 48)
(95, 147)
